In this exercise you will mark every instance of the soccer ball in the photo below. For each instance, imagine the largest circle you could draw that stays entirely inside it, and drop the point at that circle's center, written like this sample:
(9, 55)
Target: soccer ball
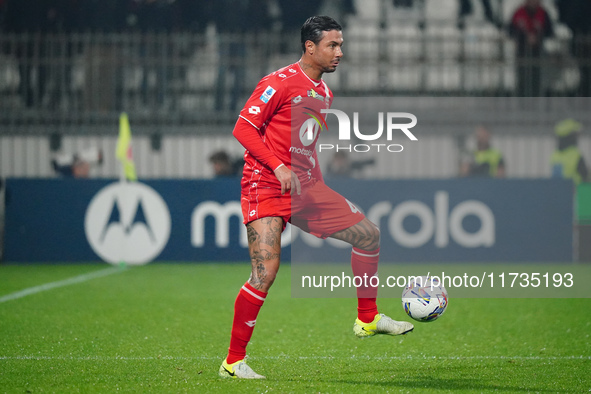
(424, 299)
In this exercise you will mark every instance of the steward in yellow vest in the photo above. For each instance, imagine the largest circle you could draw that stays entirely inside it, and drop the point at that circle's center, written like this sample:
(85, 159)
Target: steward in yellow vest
(567, 161)
(485, 161)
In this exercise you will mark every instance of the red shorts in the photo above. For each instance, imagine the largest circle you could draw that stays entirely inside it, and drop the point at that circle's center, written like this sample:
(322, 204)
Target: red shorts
(319, 210)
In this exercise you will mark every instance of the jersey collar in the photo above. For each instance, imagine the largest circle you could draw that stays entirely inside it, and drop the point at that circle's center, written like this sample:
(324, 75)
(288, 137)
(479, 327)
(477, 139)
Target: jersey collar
(316, 83)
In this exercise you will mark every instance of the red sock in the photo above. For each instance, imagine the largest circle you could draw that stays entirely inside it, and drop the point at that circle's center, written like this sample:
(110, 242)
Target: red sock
(246, 308)
(365, 262)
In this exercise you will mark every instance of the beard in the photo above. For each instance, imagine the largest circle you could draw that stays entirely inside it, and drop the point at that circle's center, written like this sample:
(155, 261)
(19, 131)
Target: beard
(329, 69)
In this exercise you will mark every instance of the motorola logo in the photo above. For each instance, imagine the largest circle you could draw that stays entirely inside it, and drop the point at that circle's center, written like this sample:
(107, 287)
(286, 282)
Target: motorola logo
(127, 222)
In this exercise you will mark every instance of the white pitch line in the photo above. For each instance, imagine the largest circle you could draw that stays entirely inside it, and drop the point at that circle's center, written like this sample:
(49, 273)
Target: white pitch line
(60, 283)
(378, 358)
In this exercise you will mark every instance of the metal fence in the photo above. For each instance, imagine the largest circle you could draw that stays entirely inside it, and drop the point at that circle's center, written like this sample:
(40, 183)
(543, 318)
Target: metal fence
(183, 83)
(61, 93)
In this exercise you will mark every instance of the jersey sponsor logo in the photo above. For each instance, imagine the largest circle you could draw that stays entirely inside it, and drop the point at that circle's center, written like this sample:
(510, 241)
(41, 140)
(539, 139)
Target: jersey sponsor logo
(301, 151)
(291, 70)
(297, 100)
(127, 222)
(281, 75)
(312, 93)
(254, 110)
(267, 94)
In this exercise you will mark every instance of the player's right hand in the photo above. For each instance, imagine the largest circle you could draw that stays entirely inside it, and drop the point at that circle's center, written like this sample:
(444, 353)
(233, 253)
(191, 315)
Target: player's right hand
(288, 179)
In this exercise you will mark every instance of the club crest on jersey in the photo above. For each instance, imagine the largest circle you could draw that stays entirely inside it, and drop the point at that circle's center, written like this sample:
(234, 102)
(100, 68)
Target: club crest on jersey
(312, 93)
(267, 94)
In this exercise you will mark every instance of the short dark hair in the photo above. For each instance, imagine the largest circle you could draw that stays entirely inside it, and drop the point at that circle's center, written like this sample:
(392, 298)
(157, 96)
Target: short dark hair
(314, 27)
(219, 157)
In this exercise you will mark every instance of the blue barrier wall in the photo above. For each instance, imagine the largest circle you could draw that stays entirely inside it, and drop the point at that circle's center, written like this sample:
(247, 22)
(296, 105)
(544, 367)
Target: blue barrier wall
(463, 220)
(65, 220)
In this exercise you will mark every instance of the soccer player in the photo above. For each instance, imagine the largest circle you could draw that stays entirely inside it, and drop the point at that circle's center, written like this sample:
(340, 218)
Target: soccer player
(282, 183)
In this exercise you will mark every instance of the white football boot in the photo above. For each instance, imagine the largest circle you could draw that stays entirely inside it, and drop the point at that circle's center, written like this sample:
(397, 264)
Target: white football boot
(381, 324)
(238, 370)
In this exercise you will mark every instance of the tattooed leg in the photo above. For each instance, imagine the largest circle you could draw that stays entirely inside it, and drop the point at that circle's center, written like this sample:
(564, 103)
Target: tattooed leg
(364, 235)
(264, 246)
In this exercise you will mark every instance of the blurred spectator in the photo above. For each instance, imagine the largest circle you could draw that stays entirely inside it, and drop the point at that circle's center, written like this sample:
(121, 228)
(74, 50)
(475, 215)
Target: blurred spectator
(530, 25)
(341, 166)
(576, 14)
(484, 161)
(567, 160)
(79, 164)
(224, 166)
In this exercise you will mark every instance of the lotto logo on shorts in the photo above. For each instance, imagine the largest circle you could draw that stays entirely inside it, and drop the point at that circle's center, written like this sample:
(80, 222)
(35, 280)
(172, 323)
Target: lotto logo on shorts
(267, 94)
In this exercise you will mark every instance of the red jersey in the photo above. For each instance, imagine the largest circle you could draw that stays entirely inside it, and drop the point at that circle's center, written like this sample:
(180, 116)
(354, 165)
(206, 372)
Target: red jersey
(534, 22)
(283, 113)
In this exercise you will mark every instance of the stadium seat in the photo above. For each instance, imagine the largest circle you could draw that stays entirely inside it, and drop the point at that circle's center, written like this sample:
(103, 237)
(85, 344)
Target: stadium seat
(9, 76)
(132, 77)
(509, 7)
(333, 80)
(509, 82)
(482, 42)
(443, 42)
(202, 69)
(444, 76)
(278, 61)
(362, 43)
(367, 10)
(482, 77)
(441, 10)
(562, 32)
(404, 43)
(404, 78)
(509, 49)
(362, 77)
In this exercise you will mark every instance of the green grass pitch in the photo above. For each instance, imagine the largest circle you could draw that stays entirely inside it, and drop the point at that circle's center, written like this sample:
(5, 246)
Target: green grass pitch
(165, 328)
